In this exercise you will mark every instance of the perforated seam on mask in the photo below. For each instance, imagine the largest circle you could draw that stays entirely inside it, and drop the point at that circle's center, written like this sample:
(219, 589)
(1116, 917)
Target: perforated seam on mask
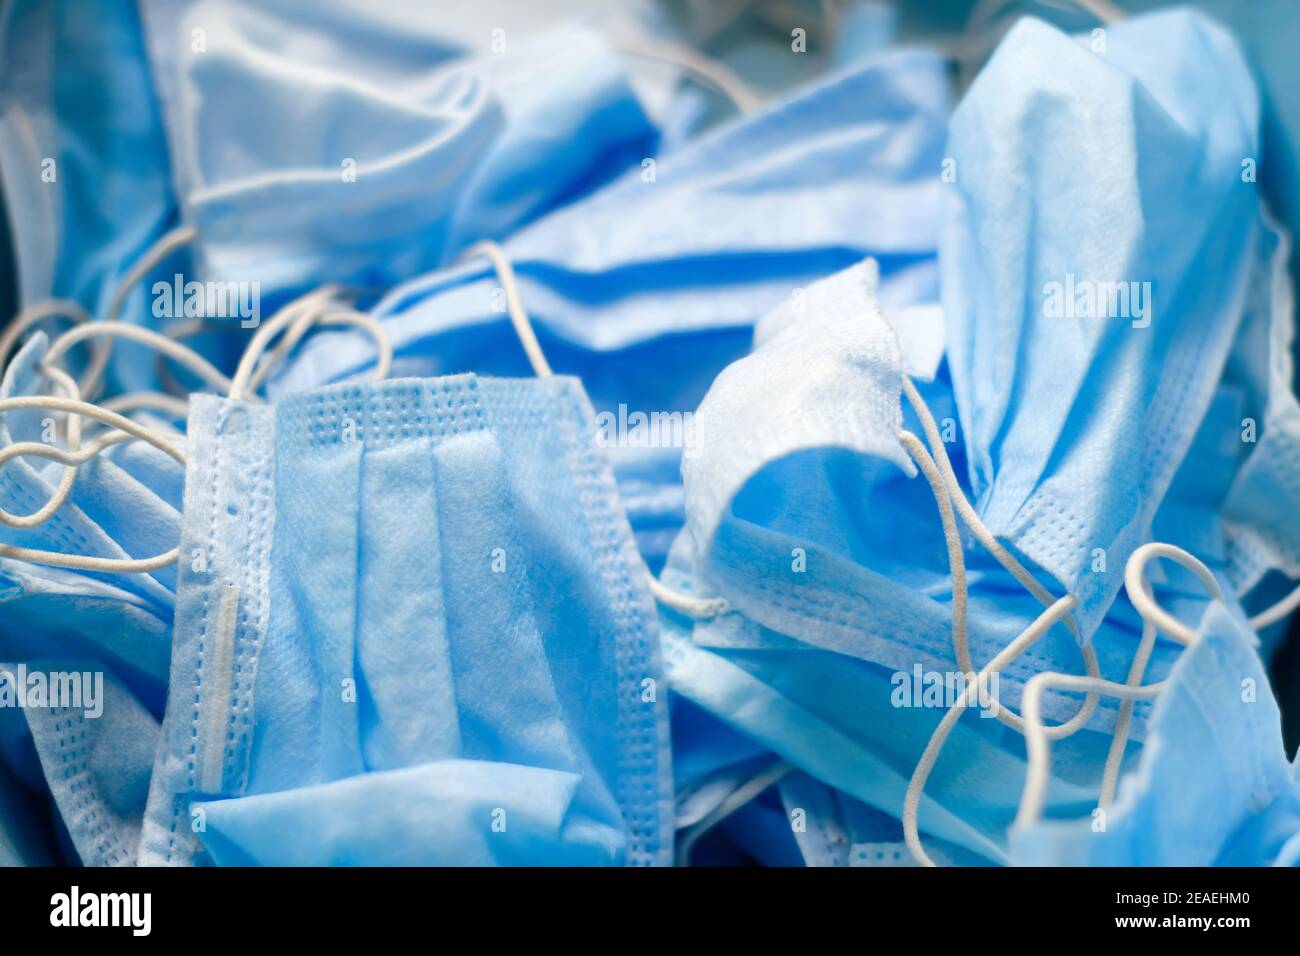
(469, 398)
(1157, 451)
(829, 608)
(883, 853)
(1049, 523)
(256, 599)
(70, 744)
(829, 841)
(179, 801)
(65, 533)
(382, 412)
(640, 779)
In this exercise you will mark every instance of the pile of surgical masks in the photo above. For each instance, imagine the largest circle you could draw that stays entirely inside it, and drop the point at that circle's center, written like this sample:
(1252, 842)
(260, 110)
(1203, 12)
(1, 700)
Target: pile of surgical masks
(572, 433)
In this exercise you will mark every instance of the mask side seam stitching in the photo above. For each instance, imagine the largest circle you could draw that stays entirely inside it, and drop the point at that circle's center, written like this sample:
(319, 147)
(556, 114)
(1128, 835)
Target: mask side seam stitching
(632, 646)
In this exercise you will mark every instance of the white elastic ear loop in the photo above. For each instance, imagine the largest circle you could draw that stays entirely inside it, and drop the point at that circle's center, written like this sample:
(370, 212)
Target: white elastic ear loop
(698, 608)
(1139, 592)
(308, 310)
(952, 539)
(1036, 744)
(518, 317)
(241, 384)
(742, 795)
(1271, 615)
(170, 404)
(33, 314)
(72, 458)
(64, 381)
(704, 70)
(178, 332)
(947, 493)
(160, 250)
(967, 511)
(135, 333)
(1139, 589)
(915, 787)
(957, 565)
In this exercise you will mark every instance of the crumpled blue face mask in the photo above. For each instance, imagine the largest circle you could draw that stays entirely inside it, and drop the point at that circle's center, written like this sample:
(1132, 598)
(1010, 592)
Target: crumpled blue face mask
(411, 627)
(70, 241)
(778, 534)
(405, 150)
(121, 506)
(74, 244)
(808, 604)
(1260, 507)
(95, 759)
(1212, 786)
(1087, 325)
(1233, 500)
(649, 286)
(825, 591)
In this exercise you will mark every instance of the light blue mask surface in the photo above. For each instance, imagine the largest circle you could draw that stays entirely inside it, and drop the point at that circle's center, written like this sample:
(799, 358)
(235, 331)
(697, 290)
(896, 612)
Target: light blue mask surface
(95, 760)
(402, 149)
(1075, 424)
(1233, 501)
(802, 515)
(1212, 785)
(411, 627)
(125, 504)
(1261, 505)
(83, 156)
(650, 286)
(86, 189)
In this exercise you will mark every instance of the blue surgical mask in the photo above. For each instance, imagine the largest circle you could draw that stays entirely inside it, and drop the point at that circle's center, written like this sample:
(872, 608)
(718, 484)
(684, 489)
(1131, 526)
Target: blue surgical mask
(1260, 506)
(651, 285)
(95, 743)
(1086, 324)
(420, 598)
(829, 561)
(120, 506)
(69, 241)
(409, 141)
(803, 518)
(1211, 788)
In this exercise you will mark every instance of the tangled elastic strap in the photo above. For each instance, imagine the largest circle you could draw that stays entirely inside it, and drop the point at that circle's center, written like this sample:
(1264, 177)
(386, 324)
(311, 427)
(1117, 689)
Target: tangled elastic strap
(317, 308)
(320, 307)
(298, 317)
(938, 471)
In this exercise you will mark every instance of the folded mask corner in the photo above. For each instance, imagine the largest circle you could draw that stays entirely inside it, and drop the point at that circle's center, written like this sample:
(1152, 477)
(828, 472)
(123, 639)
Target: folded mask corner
(825, 372)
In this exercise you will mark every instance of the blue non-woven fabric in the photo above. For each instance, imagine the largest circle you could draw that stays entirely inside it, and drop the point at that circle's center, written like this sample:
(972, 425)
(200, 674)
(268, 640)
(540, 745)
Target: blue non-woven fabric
(407, 144)
(83, 162)
(650, 286)
(1086, 323)
(1213, 785)
(419, 596)
(120, 506)
(95, 752)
